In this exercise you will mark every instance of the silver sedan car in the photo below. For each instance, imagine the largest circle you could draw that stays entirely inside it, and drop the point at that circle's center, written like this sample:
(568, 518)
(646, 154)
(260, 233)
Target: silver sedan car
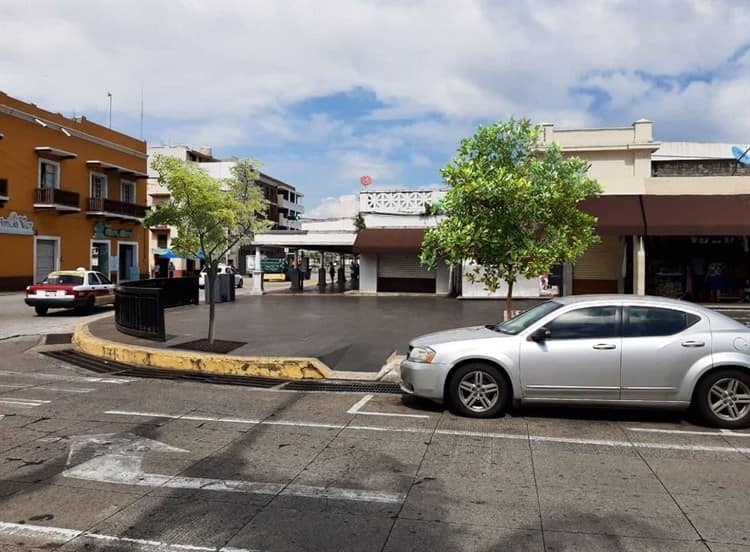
(591, 350)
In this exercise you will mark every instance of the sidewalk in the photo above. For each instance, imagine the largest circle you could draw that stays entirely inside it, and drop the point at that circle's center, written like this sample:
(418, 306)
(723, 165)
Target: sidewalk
(346, 333)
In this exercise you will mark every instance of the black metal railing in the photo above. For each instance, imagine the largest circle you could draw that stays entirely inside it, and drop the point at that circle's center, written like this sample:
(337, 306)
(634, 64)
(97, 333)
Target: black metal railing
(104, 205)
(56, 196)
(140, 304)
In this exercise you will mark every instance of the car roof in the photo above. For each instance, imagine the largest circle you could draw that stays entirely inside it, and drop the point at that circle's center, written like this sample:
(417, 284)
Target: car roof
(623, 298)
(69, 273)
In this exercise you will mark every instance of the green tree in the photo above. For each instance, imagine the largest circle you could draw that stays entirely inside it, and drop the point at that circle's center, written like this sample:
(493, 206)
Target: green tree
(511, 207)
(211, 216)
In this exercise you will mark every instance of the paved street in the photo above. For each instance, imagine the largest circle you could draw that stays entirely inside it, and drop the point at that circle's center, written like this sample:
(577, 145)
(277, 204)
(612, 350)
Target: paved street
(105, 463)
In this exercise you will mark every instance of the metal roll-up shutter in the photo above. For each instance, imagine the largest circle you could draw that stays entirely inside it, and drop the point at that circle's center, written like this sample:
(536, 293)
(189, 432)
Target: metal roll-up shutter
(598, 270)
(45, 258)
(404, 273)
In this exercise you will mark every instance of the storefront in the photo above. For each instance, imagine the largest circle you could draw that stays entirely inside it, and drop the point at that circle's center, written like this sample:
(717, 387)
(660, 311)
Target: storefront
(695, 247)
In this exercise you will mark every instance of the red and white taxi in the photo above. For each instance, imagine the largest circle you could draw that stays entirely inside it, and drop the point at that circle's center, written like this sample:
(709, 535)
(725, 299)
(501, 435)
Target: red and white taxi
(71, 289)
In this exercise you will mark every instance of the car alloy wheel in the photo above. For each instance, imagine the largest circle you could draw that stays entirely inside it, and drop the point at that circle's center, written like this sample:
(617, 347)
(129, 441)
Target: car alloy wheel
(729, 399)
(478, 391)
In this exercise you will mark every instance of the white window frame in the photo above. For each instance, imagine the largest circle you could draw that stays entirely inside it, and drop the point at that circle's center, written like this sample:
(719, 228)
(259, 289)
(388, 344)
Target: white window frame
(109, 245)
(58, 252)
(91, 184)
(39, 174)
(127, 184)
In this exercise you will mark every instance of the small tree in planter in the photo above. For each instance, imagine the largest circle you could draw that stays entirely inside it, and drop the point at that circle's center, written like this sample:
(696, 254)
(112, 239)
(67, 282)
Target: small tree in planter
(211, 216)
(510, 208)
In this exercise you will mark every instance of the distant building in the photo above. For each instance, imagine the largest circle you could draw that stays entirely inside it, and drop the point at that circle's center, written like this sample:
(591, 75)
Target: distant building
(284, 206)
(672, 219)
(72, 194)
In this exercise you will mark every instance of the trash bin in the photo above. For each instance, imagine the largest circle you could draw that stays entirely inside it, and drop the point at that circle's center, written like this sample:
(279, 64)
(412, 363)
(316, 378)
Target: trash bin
(216, 291)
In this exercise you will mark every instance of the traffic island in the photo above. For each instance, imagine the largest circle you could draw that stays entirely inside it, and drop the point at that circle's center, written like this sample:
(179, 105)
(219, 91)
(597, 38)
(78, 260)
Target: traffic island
(290, 368)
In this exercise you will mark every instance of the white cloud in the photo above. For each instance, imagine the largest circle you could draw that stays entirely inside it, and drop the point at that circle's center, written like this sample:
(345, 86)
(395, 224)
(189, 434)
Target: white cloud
(420, 160)
(335, 207)
(458, 59)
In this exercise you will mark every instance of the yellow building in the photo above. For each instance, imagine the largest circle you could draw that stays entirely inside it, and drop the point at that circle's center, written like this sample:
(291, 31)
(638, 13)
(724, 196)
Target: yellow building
(72, 194)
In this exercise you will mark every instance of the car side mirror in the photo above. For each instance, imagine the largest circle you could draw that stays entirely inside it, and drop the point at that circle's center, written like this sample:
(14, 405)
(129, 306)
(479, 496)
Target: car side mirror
(540, 335)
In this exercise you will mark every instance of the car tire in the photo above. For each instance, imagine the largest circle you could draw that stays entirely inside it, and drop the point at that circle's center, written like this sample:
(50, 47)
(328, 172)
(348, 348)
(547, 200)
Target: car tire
(716, 395)
(495, 395)
(240, 283)
(90, 306)
(41, 311)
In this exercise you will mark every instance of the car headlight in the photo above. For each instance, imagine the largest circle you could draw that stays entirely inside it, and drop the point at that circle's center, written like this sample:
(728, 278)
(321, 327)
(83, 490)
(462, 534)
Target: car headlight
(421, 354)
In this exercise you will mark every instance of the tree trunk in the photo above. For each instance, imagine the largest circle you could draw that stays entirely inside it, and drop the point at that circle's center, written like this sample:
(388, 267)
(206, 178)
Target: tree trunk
(509, 302)
(211, 305)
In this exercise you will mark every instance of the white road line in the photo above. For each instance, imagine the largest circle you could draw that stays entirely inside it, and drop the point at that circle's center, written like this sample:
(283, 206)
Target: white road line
(62, 535)
(458, 433)
(58, 377)
(357, 409)
(23, 403)
(359, 404)
(68, 389)
(720, 433)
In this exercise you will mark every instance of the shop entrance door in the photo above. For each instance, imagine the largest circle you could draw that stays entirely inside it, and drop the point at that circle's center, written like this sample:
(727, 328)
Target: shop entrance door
(128, 269)
(100, 257)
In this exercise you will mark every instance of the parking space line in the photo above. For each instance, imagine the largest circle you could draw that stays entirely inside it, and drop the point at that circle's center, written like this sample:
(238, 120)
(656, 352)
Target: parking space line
(357, 409)
(457, 433)
(62, 535)
(59, 377)
(23, 403)
(719, 433)
(68, 389)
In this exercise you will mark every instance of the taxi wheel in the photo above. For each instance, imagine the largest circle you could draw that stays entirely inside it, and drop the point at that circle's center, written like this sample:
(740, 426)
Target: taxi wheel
(90, 306)
(41, 311)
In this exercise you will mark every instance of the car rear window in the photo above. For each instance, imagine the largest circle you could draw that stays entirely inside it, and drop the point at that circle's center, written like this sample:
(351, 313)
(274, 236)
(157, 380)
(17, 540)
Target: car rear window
(63, 279)
(653, 321)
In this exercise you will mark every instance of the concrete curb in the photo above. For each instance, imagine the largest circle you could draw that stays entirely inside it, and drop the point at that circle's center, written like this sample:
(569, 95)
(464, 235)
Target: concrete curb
(191, 361)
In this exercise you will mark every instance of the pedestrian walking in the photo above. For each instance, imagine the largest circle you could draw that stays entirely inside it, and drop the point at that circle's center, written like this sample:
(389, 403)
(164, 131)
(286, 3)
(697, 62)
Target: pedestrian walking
(331, 271)
(157, 269)
(171, 269)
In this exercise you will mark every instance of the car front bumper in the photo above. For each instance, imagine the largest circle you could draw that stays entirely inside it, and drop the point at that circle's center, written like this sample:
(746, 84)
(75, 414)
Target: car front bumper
(423, 380)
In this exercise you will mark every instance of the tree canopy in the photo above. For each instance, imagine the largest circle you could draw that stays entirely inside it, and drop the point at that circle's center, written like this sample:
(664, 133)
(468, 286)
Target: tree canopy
(512, 207)
(211, 216)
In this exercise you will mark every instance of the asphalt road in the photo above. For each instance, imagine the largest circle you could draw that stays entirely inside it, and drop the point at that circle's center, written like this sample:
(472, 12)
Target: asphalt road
(106, 463)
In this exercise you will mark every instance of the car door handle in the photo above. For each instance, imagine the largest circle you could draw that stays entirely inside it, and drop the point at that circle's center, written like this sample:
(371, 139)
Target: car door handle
(604, 346)
(693, 344)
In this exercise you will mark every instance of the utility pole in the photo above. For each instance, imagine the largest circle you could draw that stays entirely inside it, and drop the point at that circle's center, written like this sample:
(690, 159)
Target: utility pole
(109, 95)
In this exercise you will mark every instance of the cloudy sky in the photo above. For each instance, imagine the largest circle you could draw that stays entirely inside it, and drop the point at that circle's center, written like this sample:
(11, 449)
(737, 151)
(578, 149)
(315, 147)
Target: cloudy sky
(324, 92)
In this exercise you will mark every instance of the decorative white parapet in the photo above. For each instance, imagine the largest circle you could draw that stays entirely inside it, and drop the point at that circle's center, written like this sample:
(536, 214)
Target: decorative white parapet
(411, 202)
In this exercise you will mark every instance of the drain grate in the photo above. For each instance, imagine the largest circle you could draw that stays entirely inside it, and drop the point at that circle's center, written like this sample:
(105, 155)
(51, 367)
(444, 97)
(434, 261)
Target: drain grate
(110, 367)
(349, 387)
(58, 339)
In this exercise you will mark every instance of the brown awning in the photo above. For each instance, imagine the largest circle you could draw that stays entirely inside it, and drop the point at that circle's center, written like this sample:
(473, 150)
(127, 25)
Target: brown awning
(618, 215)
(389, 240)
(697, 215)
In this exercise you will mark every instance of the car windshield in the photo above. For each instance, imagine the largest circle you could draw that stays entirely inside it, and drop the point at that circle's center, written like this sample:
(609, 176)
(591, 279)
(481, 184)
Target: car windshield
(63, 279)
(526, 319)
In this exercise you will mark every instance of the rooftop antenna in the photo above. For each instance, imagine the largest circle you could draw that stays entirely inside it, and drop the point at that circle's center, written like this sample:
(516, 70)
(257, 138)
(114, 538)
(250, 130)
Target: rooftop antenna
(109, 95)
(741, 157)
(141, 110)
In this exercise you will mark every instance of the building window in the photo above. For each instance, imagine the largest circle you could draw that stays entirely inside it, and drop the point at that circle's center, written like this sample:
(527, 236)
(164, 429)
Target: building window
(98, 185)
(127, 191)
(161, 241)
(49, 174)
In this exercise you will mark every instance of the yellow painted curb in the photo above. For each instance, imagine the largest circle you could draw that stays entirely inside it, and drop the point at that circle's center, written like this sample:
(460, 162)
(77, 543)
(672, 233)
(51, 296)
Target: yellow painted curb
(191, 361)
